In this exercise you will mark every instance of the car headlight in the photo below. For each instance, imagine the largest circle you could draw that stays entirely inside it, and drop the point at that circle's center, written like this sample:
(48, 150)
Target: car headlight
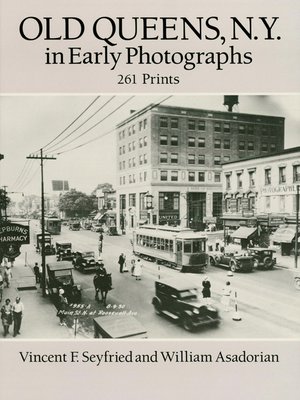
(195, 311)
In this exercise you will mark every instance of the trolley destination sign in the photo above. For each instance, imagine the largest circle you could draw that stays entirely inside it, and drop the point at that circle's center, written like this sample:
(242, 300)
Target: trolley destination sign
(11, 233)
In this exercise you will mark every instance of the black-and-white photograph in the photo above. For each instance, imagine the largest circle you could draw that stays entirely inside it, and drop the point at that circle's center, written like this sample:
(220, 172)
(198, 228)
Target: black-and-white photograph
(150, 216)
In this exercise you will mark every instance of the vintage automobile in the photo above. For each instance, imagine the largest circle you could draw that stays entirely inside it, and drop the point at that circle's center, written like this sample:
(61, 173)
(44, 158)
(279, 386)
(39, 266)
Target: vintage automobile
(96, 227)
(86, 225)
(74, 225)
(263, 257)
(63, 251)
(237, 261)
(85, 261)
(178, 299)
(59, 275)
(49, 248)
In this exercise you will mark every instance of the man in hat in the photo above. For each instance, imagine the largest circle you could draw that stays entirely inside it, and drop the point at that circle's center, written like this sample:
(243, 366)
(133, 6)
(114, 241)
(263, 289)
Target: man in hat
(36, 271)
(18, 311)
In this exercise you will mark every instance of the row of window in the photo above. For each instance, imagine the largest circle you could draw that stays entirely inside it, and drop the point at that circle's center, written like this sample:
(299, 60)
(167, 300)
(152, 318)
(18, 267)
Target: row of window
(193, 176)
(131, 146)
(131, 129)
(132, 178)
(172, 158)
(143, 159)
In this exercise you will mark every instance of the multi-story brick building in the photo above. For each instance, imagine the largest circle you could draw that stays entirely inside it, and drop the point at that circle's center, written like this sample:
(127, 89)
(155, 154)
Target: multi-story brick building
(261, 192)
(169, 161)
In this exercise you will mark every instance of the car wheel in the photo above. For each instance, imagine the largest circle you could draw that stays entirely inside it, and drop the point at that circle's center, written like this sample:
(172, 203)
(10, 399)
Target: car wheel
(297, 283)
(157, 305)
(232, 267)
(268, 263)
(187, 324)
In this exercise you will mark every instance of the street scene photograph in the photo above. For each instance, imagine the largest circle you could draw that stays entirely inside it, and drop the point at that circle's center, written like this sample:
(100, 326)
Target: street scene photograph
(149, 216)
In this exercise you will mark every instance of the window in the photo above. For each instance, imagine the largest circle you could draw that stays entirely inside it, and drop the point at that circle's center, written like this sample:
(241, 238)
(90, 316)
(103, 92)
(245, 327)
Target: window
(217, 204)
(251, 178)
(217, 177)
(217, 144)
(250, 130)
(163, 175)
(191, 176)
(264, 146)
(268, 176)
(217, 127)
(132, 201)
(140, 159)
(129, 146)
(191, 142)
(191, 158)
(140, 142)
(133, 161)
(201, 176)
(201, 125)
(140, 125)
(268, 202)
(120, 135)
(121, 180)
(174, 140)
(163, 140)
(129, 131)
(296, 173)
(133, 129)
(120, 165)
(217, 160)
(201, 142)
(201, 159)
(145, 159)
(129, 163)
(145, 176)
(133, 145)
(174, 176)
(241, 128)
(242, 145)
(145, 123)
(124, 149)
(250, 145)
(145, 140)
(228, 182)
(163, 122)
(273, 147)
(226, 128)
(239, 181)
(130, 179)
(120, 150)
(174, 123)
(282, 176)
(123, 164)
(174, 158)
(226, 144)
(191, 124)
(226, 158)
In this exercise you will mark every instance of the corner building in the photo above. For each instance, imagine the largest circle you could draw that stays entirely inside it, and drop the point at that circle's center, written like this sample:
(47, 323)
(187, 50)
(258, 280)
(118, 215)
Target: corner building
(169, 162)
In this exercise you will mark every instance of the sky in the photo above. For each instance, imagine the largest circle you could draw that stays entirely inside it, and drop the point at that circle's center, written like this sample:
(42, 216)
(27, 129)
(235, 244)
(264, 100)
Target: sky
(31, 122)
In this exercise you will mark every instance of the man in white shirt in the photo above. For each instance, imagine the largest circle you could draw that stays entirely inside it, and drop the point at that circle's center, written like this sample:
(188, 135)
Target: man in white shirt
(18, 310)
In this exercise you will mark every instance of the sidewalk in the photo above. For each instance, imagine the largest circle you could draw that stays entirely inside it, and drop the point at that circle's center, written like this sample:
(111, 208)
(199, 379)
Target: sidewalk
(39, 320)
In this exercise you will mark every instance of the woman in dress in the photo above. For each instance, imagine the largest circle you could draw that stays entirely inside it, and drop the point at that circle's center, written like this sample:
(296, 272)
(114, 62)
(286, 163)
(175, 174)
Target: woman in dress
(6, 316)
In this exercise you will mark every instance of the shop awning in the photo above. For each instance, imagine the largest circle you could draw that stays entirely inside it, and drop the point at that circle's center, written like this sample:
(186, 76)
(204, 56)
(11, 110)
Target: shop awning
(244, 232)
(97, 216)
(284, 234)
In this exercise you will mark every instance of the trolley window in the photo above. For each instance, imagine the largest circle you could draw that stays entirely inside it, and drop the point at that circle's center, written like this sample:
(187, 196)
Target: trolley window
(179, 246)
(187, 248)
(198, 246)
(171, 246)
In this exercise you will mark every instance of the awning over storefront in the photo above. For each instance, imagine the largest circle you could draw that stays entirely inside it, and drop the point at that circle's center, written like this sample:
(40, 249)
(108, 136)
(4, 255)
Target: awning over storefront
(244, 232)
(98, 216)
(284, 234)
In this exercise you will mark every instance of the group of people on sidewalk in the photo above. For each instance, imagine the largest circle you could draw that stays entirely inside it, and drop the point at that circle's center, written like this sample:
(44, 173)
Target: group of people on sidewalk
(12, 314)
(136, 266)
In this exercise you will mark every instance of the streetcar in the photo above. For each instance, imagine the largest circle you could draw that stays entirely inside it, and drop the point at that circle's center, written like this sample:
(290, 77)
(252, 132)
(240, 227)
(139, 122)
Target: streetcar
(53, 225)
(178, 248)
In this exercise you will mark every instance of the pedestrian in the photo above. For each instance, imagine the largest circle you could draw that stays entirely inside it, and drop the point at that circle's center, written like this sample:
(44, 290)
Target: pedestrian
(132, 266)
(206, 291)
(226, 296)
(1, 286)
(41, 274)
(7, 275)
(121, 262)
(138, 270)
(6, 316)
(36, 271)
(18, 313)
(62, 306)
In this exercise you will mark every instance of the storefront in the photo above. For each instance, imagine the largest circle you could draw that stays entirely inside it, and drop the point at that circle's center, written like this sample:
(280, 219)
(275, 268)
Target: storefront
(285, 236)
(246, 235)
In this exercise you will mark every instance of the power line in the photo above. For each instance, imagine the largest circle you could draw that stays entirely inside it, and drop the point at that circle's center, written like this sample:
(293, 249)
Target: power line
(84, 122)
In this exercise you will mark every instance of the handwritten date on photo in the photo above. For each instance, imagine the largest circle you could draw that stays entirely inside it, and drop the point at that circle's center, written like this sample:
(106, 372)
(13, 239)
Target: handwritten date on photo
(147, 79)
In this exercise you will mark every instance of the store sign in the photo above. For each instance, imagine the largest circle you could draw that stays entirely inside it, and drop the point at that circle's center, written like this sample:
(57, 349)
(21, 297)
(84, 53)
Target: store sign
(14, 234)
(168, 215)
(279, 189)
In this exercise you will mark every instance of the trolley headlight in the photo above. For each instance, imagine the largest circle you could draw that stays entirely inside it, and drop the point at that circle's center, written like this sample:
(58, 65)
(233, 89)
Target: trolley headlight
(196, 311)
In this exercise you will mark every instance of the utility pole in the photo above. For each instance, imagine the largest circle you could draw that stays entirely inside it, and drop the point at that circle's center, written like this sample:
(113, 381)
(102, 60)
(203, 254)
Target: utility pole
(42, 158)
(297, 226)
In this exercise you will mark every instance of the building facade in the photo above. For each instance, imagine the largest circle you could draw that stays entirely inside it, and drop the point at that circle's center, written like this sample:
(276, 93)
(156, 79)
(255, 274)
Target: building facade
(170, 161)
(262, 192)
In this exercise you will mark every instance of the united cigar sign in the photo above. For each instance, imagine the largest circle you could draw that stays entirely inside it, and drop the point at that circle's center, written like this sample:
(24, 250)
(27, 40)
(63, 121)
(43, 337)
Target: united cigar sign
(12, 236)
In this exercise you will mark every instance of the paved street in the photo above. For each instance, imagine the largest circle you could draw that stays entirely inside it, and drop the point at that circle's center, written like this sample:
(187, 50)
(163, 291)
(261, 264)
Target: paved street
(267, 300)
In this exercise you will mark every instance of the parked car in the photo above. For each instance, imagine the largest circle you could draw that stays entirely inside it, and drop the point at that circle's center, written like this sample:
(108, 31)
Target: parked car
(86, 224)
(49, 248)
(63, 251)
(74, 225)
(85, 261)
(177, 299)
(238, 261)
(263, 257)
(59, 275)
(96, 227)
